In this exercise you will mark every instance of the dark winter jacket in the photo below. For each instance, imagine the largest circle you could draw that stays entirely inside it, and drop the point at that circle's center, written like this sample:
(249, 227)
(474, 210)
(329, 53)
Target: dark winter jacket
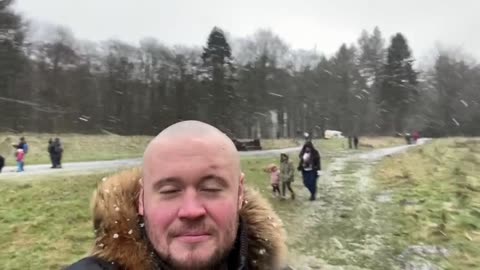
(260, 241)
(2, 163)
(316, 161)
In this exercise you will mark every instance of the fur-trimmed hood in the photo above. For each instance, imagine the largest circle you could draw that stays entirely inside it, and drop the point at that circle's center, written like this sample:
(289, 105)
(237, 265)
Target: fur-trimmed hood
(118, 227)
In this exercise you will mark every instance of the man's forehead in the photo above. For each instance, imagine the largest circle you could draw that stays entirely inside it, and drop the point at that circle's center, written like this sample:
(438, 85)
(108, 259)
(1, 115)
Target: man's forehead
(201, 149)
(189, 144)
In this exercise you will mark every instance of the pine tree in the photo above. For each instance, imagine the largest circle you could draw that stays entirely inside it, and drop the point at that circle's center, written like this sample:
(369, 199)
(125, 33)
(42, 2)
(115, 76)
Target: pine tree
(372, 56)
(11, 63)
(218, 68)
(398, 89)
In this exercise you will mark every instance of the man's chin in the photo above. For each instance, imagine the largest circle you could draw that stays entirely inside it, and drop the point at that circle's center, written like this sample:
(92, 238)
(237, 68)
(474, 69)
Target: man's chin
(200, 255)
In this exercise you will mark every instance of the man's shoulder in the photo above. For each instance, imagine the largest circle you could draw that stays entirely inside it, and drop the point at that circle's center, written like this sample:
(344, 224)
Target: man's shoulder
(92, 263)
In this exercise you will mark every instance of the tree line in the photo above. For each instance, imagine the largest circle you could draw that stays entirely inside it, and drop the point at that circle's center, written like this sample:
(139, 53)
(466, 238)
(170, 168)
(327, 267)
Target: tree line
(240, 85)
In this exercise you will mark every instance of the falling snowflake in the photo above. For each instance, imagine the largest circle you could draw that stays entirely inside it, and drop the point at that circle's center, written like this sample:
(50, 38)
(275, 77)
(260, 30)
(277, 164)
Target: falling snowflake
(115, 236)
(456, 122)
(130, 232)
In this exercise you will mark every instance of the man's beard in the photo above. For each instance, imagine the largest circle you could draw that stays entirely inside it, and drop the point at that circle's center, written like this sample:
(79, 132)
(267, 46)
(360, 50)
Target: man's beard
(215, 261)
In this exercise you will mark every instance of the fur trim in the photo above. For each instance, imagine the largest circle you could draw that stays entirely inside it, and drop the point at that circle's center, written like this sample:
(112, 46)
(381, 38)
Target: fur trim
(119, 235)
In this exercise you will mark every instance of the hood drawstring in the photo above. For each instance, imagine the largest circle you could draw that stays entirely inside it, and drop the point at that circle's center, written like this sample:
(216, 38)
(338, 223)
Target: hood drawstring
(243, 246)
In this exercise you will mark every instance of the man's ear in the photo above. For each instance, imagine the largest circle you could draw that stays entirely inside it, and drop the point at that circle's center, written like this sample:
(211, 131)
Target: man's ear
(241, 191)
(140, 198)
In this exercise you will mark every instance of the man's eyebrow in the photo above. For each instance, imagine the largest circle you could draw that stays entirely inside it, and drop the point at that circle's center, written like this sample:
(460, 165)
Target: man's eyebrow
(166, 181)
(216, 178)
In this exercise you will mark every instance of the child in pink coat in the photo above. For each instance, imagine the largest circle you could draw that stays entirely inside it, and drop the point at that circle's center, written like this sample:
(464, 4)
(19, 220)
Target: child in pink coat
(20, 157)
(274, 179)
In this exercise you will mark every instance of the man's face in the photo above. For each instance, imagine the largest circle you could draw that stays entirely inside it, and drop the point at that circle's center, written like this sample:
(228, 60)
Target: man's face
(192, 192)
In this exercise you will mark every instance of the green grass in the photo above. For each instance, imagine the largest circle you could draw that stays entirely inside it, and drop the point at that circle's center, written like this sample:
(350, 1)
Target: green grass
(437, 199)
(77, 147)
(45, 224)
(109, 147)
(45, 221)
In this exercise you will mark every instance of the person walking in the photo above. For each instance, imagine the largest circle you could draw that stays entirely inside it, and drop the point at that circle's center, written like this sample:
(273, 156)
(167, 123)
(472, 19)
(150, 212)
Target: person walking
(274, 173)
(58, 153)
(21, 145)
(355, 141)
(20, 157)
(309, 166)
(2, 162)
(51, 152)
(287, 175)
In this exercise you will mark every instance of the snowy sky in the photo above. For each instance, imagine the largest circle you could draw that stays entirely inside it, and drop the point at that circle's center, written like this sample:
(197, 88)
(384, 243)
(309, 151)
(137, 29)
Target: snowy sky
(302, 23)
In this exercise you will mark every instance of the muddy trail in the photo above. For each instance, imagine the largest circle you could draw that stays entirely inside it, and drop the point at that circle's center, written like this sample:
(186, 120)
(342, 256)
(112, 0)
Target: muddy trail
(342, 229)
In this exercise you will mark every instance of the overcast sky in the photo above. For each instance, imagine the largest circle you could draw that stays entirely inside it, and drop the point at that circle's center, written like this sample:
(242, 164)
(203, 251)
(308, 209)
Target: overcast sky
(302, 23)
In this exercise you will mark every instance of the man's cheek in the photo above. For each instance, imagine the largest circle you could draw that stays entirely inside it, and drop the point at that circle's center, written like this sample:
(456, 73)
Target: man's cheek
(222, 212)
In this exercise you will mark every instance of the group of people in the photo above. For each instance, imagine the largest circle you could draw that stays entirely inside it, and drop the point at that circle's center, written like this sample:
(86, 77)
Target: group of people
(55, 150)
(309, 165)
(412, 138)
(21, 149)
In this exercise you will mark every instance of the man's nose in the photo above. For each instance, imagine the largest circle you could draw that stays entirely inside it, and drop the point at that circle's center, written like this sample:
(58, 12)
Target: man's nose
(192, 207)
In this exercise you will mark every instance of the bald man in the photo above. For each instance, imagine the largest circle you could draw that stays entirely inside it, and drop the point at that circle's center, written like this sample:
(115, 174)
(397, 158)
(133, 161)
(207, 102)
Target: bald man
(187, 208)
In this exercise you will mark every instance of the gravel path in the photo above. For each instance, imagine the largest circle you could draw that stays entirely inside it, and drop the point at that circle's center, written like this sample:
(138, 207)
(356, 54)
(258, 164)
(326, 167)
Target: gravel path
(111, 165)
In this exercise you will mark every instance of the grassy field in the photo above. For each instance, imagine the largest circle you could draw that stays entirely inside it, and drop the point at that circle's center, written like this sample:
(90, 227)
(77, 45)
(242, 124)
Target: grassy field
(436, 199)
(109, 147)
(45, 222)
(77, 147)
(93, 147)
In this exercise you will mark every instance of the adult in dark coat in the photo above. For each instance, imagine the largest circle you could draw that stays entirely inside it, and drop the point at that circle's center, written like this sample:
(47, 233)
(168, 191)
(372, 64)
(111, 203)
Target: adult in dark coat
(57, 153)
(193, 214)
(309, 165)
(355, 141)
(51, 152)
(2, 163)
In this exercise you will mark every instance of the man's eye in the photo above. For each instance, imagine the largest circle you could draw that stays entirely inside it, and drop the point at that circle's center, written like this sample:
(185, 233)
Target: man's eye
(169, 191)
(212, 190)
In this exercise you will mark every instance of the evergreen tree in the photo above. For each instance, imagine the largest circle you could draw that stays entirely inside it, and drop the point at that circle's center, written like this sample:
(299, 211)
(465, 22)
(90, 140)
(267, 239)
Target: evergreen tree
(372, 56)
(398, 91)
(11, 64)
(218, 68)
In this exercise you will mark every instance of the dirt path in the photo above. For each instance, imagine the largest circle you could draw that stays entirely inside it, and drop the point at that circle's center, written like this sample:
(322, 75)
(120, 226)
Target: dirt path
(98, 166)
(341, 230)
